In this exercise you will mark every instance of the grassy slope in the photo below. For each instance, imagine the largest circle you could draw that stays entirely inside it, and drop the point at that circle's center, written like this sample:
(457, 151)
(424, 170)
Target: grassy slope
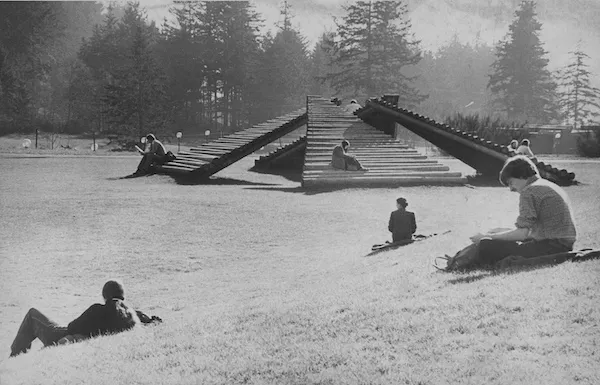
(259, 282)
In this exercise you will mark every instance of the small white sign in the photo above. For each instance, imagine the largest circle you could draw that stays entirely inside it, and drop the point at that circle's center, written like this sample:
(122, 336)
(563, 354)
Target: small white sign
(207, 132)
(26, 143)
(179, 135)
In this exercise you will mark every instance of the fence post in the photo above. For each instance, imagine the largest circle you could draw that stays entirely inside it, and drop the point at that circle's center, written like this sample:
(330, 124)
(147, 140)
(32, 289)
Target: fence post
(36, 137)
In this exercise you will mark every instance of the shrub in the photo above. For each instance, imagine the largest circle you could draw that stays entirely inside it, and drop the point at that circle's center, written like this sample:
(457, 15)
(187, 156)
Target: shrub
(491, 129)
(588, 144)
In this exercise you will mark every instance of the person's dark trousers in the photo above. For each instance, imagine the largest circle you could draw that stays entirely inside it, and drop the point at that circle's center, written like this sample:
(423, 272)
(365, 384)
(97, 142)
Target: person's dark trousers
(492, 251)
(147, 161)
(36, 325)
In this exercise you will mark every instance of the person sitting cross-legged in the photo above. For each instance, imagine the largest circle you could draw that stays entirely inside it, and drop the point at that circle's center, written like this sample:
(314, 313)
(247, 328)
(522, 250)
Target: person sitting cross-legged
(545, 224)
(113, 316)
(402, 223)
(340, 158)
(155, 153)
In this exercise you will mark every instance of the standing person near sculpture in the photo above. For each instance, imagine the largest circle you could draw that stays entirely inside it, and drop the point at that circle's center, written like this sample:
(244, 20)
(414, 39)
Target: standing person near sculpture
(524, 149)
(154, 153)
(353, 106)
(402, 223)
(544, 226)
(113, 316)
(340, 158)
(512, 147)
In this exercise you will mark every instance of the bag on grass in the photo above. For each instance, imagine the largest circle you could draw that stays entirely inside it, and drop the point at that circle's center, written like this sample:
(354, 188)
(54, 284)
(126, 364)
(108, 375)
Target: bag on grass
(464, 259)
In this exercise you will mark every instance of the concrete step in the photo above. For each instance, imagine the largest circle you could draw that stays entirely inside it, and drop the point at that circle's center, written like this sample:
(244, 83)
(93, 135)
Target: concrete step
(382, 181)
(382, 168)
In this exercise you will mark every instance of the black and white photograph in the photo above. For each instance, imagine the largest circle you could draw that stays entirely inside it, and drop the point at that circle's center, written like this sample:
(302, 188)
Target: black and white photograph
(300, 192)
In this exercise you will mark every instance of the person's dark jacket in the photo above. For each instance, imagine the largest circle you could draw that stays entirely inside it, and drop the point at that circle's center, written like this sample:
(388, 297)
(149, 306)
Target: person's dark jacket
(402, 225)
(112, 317)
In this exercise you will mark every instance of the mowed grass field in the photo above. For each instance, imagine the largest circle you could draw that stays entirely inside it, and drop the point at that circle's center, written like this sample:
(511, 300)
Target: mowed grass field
(260, 282)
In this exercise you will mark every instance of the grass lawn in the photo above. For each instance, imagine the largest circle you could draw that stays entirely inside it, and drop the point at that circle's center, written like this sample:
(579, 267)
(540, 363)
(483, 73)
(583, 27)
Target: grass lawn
(260, 282)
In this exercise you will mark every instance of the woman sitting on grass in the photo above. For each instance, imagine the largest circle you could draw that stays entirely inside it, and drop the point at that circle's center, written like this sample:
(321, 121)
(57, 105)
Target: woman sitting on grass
(545, 224)
(114, 316)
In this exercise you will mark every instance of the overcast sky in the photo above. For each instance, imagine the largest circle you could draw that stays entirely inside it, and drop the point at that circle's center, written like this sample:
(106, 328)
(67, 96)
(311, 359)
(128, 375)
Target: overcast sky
(434, 22)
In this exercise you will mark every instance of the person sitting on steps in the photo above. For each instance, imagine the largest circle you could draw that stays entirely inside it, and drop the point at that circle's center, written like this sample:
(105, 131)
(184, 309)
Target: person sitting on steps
(114, 316)
(154, 153)
(353, 106)
(402, 223)
(340, 158)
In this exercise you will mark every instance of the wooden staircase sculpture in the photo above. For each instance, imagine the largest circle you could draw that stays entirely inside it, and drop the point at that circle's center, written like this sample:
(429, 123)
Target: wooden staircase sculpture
(389, 161)
(200, 163)
(288, 157)
(483, 155)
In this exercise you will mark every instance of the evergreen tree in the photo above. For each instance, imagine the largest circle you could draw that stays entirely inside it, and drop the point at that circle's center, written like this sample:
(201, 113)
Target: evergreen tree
(372, 49)
(579, 101)
(522, 85)
(455, 78)
(284, 72)
(320, 60)
(183, 59)
(29, 35)
(135, 96)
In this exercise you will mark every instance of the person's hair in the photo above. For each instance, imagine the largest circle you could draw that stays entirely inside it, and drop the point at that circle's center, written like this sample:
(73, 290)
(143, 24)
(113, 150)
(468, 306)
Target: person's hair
(345, 143)
(519, 167)
(113, 289)
(151, 137)
(525, 142)
(402, 202)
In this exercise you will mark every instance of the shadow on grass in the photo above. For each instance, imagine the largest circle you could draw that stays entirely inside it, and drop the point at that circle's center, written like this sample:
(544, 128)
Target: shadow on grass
(186, 181)
(481, 274)
(297, 190)
(219, 182)
(291, 175)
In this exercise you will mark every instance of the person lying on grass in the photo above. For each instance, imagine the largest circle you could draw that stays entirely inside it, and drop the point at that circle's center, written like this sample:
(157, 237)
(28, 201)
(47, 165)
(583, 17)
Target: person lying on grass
(114, 316)
(402, 223)
(544, 226)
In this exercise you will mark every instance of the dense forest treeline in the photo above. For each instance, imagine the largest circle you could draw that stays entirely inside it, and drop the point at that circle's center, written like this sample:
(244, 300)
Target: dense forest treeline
(79, 67)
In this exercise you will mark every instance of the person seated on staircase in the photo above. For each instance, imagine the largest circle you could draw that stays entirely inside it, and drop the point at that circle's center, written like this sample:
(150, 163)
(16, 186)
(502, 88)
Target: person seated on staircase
(154, 154)
(402, 223)
(340, 158)
(524, 149)
(544, 226)
(114, 316)
(353, 106)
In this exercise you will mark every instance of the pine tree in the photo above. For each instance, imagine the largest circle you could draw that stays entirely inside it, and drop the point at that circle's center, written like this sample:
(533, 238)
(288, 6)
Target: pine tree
(372, 48)
(455, 78)
(284, 71)
(522, 85)
(135, 96)
(579, 101)
(320, 60)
